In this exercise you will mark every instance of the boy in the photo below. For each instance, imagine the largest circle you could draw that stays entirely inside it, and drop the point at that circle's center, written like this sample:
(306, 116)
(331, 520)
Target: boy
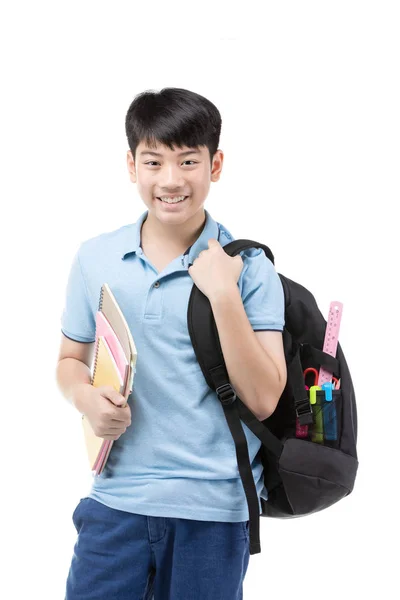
(168, 515)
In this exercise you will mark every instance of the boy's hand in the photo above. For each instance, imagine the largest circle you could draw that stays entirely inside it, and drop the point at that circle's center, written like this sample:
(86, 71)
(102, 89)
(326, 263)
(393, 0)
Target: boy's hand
(106, 410)
(215, 272)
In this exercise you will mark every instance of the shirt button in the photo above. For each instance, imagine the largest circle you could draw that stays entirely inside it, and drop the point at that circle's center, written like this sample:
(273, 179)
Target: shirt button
(157, 284)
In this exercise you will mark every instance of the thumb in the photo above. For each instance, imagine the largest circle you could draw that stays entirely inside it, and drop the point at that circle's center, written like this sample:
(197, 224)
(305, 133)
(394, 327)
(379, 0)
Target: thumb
(115, 397)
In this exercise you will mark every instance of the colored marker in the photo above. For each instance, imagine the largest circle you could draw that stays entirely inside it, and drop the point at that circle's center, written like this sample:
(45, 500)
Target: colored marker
(328, 387)
(329, 413)
(301, 430)
(313, 393)
(318, 428)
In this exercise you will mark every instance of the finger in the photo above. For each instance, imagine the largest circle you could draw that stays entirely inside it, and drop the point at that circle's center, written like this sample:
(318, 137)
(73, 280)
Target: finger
(114, 427)
(113, 396)
(121, 415)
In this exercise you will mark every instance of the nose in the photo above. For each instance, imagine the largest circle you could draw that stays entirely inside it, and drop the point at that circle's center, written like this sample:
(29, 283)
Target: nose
(171, 178)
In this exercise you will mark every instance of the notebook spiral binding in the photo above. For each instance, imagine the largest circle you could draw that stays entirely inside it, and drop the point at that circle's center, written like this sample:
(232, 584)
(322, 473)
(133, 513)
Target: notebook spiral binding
(97, 342)
(97, 339)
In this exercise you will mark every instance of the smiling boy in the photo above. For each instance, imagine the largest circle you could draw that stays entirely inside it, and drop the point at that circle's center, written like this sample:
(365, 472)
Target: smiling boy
(168, 515)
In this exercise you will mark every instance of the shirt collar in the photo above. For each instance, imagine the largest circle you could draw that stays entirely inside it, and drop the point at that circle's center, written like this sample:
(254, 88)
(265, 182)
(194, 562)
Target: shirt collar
(132, 241)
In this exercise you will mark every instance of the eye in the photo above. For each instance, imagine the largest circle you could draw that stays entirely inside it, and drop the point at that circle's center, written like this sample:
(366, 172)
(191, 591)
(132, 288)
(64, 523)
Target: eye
(156, 162)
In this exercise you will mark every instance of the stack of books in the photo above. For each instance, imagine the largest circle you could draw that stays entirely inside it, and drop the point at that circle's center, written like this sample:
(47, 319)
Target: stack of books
(114, 364)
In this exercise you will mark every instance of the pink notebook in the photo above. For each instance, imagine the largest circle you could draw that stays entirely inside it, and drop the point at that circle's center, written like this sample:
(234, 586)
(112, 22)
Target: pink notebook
(104, 328)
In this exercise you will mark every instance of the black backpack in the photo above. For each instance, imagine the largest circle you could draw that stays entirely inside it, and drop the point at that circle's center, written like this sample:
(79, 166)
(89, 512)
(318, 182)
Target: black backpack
(301, 476)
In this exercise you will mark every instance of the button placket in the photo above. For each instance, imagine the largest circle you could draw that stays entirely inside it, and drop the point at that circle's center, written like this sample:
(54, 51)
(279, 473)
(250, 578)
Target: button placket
(154, 302)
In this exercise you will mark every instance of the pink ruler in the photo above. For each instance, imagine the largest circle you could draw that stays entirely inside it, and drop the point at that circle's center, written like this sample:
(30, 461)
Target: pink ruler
(331, 337)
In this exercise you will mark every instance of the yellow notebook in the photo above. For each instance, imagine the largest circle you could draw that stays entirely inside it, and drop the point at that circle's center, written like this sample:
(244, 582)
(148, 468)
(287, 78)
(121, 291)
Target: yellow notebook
(105, 373)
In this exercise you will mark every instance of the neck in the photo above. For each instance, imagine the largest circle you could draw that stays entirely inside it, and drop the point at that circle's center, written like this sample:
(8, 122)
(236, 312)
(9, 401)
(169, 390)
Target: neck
(172, 237)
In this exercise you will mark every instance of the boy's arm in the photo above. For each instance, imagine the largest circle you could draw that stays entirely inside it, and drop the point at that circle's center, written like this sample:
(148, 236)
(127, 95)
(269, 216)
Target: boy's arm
(78, 334)
(74, 368)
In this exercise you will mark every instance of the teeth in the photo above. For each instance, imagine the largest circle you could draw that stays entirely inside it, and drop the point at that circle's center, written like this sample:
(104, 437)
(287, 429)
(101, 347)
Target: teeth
(172, 200)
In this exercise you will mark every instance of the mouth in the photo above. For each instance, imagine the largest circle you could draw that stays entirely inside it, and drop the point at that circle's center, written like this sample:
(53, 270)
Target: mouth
(172, 203)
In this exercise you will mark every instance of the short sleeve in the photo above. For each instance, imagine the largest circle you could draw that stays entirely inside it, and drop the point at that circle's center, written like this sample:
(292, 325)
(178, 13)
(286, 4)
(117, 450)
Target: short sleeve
(262, 291)
(77, 319)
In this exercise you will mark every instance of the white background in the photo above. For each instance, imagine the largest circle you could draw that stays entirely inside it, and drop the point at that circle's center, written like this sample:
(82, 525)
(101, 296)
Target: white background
(309, 98)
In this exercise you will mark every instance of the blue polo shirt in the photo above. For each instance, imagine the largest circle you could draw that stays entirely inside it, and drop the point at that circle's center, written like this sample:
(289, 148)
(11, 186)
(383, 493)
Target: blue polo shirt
(177, 459)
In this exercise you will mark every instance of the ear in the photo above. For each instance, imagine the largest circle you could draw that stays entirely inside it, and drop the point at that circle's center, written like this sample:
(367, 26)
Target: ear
(131, 166)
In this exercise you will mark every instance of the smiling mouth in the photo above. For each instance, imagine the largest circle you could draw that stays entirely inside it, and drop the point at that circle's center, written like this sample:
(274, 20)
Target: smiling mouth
(180, 201)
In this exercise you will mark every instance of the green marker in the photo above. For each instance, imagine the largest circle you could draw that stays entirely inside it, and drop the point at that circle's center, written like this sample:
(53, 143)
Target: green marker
(318, 427)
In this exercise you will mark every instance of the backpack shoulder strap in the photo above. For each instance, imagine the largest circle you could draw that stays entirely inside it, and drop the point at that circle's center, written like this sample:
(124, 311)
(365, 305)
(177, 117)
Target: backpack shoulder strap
(204, 336)
(236, 246)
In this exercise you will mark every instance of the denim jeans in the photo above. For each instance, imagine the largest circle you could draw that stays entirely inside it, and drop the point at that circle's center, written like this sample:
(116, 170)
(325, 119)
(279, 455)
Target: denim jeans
(125, 556)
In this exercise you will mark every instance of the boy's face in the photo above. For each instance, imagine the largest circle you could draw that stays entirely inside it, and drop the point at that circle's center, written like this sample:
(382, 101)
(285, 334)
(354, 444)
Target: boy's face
(172, 173)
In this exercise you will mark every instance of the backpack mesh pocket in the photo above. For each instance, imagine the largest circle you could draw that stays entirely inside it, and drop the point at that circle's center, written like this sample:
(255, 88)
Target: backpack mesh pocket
(327, 419)
(326, 428)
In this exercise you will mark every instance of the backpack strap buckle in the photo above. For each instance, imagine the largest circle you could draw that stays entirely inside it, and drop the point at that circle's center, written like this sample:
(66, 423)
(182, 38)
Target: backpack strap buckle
(226, 394)
(304, 411)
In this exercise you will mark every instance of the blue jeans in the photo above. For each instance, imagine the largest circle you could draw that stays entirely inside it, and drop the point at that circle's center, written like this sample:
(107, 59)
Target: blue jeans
(124, 556)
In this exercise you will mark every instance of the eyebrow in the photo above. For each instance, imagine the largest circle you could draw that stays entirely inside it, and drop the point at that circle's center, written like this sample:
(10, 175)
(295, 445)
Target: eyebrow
(181, 154)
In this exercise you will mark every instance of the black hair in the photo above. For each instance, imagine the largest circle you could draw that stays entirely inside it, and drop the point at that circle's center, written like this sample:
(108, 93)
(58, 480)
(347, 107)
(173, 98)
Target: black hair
(173, 116)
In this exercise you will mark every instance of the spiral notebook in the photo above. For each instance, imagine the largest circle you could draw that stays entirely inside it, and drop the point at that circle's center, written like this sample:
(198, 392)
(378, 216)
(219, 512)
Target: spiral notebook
(114, 364)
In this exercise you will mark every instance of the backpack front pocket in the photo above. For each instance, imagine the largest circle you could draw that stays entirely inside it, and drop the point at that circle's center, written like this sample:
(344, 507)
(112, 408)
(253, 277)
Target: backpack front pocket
(326, 426)
(327, 419)
(315, 476)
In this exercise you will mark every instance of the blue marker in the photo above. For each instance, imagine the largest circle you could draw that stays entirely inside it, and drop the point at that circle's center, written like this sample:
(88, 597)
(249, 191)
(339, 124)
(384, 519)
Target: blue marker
(329, 412)
(328, 387)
